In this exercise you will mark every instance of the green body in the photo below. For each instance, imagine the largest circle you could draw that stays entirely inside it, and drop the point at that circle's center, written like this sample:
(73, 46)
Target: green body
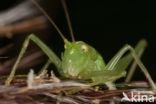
(79, 59)
(82, 61)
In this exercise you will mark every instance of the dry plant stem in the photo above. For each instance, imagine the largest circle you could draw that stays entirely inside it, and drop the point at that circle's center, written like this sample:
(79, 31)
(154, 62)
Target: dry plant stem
(35, 23)
(29, 60)
(57, 85)
(5, 49)
(62, 99)
(32, 84)
(18, 12)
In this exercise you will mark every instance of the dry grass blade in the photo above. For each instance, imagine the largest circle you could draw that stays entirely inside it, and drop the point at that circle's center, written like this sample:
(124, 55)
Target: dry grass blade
(28, 25)
(44, 89)
(29, 60)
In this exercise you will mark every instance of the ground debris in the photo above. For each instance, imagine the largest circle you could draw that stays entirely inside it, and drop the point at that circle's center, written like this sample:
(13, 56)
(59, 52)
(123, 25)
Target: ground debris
(42, 89)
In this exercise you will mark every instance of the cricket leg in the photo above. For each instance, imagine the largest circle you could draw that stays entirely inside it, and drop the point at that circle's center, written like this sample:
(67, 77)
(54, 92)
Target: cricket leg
(117, 67)
(45, 66)
(51, 55)
(139, 51)
(119, 63)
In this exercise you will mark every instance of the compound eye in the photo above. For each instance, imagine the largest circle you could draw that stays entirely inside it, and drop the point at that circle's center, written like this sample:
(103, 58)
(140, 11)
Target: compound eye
(84, 48)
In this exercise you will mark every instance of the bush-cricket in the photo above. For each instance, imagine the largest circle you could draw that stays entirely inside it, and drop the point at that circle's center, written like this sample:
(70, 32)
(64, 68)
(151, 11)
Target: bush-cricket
(82, 61)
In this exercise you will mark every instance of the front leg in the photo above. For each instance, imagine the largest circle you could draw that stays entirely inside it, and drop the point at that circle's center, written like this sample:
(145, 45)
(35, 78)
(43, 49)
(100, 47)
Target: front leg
(51, 55)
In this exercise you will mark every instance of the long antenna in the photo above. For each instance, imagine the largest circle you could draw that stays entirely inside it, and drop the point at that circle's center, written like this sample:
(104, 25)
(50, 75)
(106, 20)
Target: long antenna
(68, 19)
(49, 18)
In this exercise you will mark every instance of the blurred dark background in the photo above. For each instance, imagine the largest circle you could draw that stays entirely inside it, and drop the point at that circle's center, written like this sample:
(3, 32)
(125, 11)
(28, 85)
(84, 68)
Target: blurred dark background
(108, 25)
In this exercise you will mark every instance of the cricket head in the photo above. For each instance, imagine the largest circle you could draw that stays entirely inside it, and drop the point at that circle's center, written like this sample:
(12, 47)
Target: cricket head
(79, 59)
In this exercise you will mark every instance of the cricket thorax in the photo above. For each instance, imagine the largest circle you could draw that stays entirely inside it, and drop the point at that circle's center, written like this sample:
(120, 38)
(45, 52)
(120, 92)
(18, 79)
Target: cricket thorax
(79, 59)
